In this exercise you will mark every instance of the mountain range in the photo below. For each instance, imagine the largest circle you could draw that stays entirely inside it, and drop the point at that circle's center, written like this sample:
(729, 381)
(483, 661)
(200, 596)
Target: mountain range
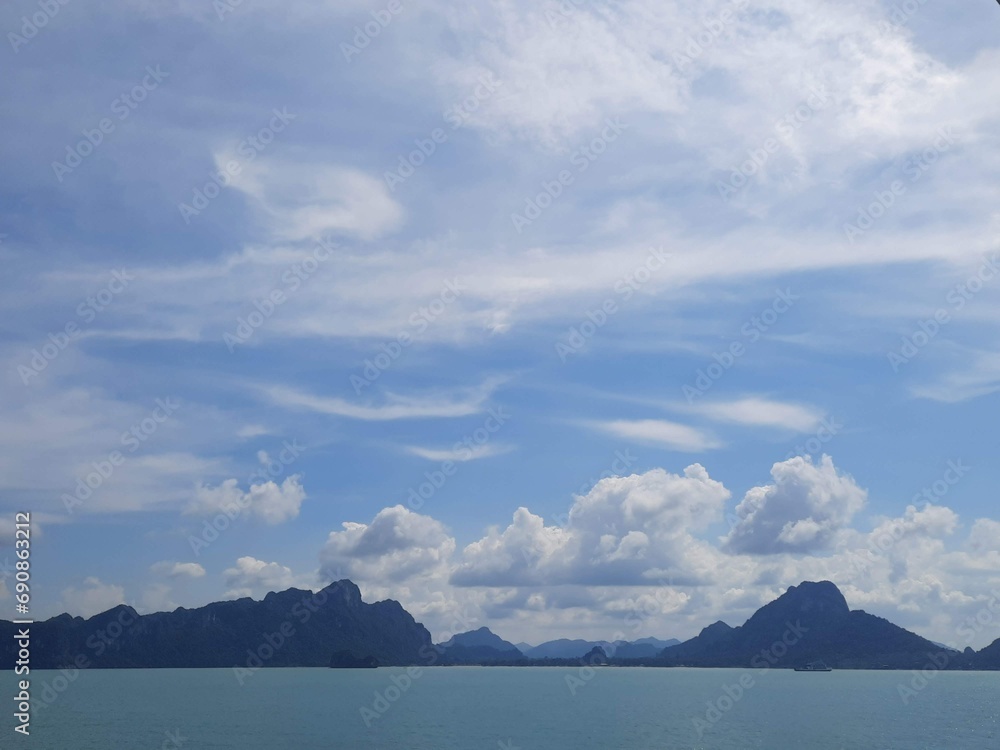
(333, 627)
(575, 649)
(482, 646)
(292, 628)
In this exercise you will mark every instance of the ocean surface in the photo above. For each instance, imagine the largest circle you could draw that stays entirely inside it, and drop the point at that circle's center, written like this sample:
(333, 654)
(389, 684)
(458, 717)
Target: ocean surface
(509, 709)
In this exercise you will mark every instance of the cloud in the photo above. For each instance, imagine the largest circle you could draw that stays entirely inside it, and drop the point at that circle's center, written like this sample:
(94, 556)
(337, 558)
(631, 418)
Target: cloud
(759, 412)
(632, 558)
(253, 577)
(251, 431)
(268, 502)
(985, 536)
(459, 452)
(66, 432)
(432, 406)
(977, 377)
(397, 545)
(92, 598)
(801, 512)
(178, 569)
(633, 530)
(660, 432)
(310, 201)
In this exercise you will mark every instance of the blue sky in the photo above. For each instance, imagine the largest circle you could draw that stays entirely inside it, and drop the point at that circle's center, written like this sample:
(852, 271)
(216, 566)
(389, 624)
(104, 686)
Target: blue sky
(679, 305)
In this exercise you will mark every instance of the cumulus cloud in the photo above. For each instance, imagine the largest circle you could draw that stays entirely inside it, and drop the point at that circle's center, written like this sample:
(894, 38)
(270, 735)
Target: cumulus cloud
(92, 598)
(397, 545)
(157, 598)
(633, 558)
(178, 569)
(253, 577)
(627, 530)
(801, 512)
(268, 502)
(985, 535)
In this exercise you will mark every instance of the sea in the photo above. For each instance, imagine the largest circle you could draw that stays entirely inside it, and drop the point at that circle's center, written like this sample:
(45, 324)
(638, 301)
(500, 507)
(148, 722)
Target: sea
(507, 708)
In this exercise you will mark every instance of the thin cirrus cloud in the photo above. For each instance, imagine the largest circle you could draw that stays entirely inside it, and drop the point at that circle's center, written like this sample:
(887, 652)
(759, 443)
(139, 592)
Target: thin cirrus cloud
(458, 404)
(758, 412)
(305, 201)
(459, 452)
(659, 432)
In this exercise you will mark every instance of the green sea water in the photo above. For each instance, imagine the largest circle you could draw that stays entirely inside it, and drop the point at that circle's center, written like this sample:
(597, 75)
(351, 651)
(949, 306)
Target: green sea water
(508, 708)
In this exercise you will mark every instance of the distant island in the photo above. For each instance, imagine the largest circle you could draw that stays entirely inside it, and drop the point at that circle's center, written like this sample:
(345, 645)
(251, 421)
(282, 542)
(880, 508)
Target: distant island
(810, 624)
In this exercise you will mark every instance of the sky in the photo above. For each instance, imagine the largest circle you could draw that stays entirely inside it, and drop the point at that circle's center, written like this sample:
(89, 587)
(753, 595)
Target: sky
(568, 319)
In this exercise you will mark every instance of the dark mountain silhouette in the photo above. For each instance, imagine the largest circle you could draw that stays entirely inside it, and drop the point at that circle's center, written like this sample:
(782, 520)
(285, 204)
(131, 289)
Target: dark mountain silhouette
(989, 657)
(293, 628)
(564, 648)
(478, 647)
(809, 623)
(334, 627)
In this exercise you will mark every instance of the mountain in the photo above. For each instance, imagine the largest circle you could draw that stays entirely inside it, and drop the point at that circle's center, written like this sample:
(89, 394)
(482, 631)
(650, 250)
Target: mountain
(643, 648)
(292, 628)
(989, 657)
(810, 622)
(656, 642)
(524, 647)
(563, 648)
(478, 647)
(574, 649)
(334, 627)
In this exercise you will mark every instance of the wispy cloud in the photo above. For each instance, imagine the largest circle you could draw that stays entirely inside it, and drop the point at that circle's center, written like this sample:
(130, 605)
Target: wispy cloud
(754, 411)
(432, 406)
(660, 432)
(459, 452)
(980, 377)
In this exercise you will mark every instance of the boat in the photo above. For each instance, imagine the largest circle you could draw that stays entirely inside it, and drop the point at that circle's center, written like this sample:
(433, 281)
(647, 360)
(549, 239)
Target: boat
(815, 666)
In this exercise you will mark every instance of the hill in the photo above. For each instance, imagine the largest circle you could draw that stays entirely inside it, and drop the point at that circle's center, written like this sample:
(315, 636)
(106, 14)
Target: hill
(292, 628)
(480, 646)
(810, 622)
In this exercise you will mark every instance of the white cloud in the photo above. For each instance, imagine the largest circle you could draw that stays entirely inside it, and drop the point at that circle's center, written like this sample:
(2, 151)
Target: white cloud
(801, 512)
(309, 201)
(460, 453)
(253, 577)
(269, 502)
(397, 545)
(626, 531)
(157, 598)
(92, 598)
(671, 435)
(985, 536)
(976, 377)
(251, 431)
(447, 405)
(178, 569)
(65, 433)
(631, 559)
(758, 412)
